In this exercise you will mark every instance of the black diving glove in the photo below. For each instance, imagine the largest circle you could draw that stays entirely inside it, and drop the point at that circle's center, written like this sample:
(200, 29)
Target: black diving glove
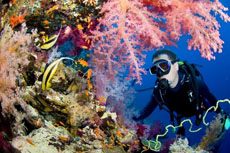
(181, 131)
(198, 122)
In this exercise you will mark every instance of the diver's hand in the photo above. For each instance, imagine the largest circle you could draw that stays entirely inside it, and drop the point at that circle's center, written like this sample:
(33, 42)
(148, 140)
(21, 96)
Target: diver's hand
(198, 122)
(181, 132)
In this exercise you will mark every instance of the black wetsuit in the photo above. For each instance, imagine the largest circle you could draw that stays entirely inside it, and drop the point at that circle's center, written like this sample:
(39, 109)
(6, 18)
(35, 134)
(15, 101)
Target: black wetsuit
(180, 99)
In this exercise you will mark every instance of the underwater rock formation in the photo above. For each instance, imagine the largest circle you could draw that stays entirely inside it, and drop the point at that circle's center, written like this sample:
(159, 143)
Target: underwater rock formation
(69, 117)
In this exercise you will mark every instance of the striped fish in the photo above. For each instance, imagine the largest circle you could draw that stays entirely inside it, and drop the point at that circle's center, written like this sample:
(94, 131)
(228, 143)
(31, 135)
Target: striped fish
(49, 42)
(50, 71)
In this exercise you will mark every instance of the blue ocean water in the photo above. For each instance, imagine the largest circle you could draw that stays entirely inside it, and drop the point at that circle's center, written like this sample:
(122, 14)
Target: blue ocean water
(216, 74)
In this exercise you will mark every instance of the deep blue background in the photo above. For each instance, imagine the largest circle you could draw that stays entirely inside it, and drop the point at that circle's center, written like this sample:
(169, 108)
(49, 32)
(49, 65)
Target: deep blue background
(216, 74)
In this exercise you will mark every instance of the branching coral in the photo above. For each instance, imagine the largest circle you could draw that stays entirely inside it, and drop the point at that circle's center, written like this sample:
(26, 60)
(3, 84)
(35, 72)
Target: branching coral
(128, 27)
(82, 108)
(195, 19)
(181, 146)
(14, 47)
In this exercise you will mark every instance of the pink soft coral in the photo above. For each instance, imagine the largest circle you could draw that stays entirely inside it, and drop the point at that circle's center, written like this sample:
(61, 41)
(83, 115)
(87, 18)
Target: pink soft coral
(125, 30)
(193, 17)
(14, 53)
(130, 26)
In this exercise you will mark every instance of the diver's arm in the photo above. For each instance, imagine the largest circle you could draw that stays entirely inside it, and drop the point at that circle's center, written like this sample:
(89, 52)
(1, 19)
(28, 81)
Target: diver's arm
(148, 109)
(205, 92)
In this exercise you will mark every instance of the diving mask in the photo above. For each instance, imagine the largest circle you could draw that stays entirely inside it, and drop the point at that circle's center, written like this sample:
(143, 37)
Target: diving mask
(161, 67)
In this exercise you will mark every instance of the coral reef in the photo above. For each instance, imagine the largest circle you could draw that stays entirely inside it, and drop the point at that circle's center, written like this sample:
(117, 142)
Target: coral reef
(49, 139)
(63, 64)
(213, 134)
(69, 117)
(16, 44)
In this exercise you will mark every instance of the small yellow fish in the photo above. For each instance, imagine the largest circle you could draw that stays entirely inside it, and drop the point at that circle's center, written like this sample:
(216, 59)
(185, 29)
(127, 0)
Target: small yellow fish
(101, 110)
(30, 141)
(61, 123)
(42, 32)
(84, 47)
(90, 86)
(83, 62)
(79, 26)
(88, 41)
(63, 138)
(52, 8)
(89, 73)
(71, 121)
(46, 22)
(145, 148)
(110, 146)
(108, 123)
(119, 134)
(124, 145)
(102, 99)
(80, 130)
(136, 142)
(56, 124)
(88, 19)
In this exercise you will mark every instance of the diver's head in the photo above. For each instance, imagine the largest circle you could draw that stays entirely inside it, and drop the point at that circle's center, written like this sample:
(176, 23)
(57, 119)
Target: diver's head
(165, 67)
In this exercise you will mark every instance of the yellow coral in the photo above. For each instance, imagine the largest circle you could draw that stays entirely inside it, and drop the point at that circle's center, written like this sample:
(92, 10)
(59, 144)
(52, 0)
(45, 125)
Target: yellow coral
(212, 134)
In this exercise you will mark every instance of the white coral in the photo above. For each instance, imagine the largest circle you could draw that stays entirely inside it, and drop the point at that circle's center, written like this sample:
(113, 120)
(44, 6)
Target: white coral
(182, 146)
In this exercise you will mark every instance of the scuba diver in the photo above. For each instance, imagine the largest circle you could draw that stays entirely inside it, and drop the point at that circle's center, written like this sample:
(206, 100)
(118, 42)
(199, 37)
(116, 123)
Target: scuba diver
(181, 88)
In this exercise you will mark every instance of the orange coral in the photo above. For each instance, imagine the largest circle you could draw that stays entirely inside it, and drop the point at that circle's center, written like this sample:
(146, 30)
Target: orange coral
(13, 1)
(15, 20)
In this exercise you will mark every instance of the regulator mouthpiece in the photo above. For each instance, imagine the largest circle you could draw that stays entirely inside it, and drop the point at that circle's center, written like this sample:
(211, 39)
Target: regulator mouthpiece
(163, 84)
